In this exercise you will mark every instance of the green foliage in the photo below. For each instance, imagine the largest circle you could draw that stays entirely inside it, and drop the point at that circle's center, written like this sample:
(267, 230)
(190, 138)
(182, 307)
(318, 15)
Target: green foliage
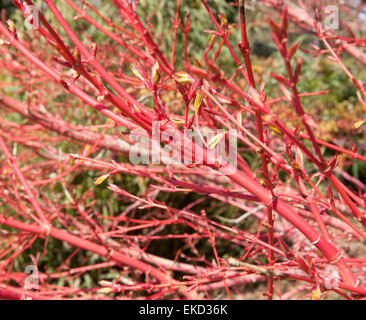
(106, 8)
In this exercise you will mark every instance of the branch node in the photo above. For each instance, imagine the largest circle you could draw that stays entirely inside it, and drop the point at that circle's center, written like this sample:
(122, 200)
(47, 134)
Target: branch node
(316, 241)
(337, 257)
